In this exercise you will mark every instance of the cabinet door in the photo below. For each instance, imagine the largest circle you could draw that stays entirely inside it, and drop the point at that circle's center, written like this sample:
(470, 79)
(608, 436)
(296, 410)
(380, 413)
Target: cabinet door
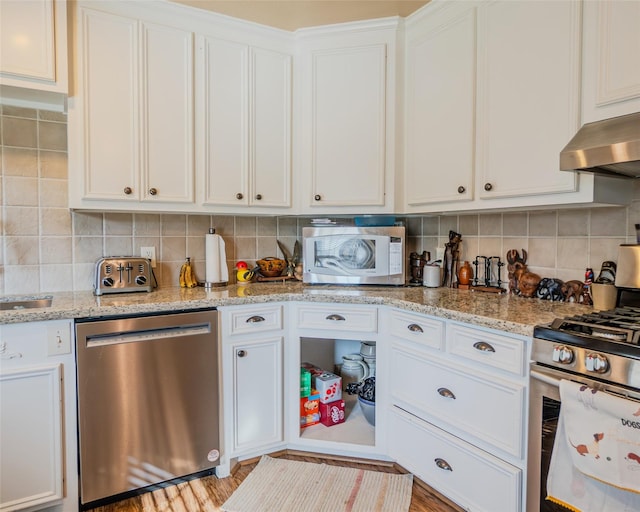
(108, 75)
(440, 103)
(270, 176)
(225, 144)
(472, 478)
(33, 46)
(611, 78)
(348, 110)
(31, 437)
(27, 44)
(257, 393)
(528, 96)
(168, 124)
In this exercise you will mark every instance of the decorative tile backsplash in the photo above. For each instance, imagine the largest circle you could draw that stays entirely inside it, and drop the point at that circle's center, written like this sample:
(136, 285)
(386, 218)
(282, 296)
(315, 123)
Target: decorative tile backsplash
(47, 248)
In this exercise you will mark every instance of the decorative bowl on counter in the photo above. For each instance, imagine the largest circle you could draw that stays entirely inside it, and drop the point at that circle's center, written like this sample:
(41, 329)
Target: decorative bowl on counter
(369, 410)
(271, 267)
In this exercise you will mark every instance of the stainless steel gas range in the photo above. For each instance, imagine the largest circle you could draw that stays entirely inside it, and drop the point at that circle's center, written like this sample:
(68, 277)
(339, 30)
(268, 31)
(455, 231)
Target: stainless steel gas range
(600, 350)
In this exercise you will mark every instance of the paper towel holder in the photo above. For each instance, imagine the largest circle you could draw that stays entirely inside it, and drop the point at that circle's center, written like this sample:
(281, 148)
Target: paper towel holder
(208, 284)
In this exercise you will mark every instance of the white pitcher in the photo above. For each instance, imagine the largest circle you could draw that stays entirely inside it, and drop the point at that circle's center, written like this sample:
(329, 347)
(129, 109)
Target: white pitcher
(353, 369)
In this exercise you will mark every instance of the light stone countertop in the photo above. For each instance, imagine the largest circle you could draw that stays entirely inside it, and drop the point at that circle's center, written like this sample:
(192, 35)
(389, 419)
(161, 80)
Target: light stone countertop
(504, 312)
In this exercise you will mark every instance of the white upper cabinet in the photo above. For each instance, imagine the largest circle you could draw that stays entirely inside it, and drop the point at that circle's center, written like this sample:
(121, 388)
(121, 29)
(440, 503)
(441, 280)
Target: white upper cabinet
(33, 44)
(246, 125)
(131, 123)
(528, 96)
(347, 121)
(611, 60)
(491, 100)
(440, 56)
(173, 99)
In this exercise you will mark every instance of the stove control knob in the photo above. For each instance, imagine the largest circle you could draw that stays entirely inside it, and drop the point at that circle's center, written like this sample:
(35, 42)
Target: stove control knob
(107, 281)
(562, 354)
(596, 363)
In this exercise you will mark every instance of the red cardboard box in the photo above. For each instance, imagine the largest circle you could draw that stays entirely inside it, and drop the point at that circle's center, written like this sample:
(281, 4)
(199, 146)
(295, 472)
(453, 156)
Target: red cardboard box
(332, 413)
(329, 386)
(310, 409)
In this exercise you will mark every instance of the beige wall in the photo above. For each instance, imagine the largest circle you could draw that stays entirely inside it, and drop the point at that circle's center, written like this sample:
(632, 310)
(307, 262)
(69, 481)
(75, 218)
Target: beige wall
(47, 248)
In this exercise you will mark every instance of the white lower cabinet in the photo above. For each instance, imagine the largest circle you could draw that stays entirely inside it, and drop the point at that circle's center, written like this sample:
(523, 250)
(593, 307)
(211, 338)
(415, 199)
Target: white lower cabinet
(489, 408)
(37, 417)
(457, 398)
(469, 476)
(252, 376)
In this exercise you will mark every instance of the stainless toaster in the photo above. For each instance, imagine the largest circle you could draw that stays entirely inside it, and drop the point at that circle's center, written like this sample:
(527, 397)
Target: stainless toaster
(120, 274)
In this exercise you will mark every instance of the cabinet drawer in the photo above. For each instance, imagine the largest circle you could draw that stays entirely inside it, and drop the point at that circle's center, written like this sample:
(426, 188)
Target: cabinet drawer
(479, 406)
(338, 317)
(254, 319)
(469, 476)
(488, 348)
(418, 329)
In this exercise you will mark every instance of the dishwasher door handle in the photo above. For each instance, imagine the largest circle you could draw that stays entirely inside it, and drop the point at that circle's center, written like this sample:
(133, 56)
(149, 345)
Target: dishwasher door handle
(103, 340)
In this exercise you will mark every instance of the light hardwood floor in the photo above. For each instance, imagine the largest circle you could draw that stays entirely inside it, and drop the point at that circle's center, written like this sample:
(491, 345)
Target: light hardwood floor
(209, 493)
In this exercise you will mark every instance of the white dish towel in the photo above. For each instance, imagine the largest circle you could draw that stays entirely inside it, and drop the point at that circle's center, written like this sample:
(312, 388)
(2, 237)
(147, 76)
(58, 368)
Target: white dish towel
(595, 464)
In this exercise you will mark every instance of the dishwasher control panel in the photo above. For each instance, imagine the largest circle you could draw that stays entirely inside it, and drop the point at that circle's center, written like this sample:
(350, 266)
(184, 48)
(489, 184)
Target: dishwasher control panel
(120, 274)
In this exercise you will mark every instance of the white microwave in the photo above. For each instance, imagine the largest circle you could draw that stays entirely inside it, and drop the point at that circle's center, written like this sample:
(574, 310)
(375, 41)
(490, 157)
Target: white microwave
(354, 255)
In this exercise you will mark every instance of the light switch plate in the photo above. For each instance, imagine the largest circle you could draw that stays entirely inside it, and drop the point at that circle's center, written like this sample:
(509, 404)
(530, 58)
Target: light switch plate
(58, 340)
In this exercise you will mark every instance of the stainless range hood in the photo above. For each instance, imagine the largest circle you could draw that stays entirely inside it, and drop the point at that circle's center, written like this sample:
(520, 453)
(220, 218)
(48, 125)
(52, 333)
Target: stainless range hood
(610, 147)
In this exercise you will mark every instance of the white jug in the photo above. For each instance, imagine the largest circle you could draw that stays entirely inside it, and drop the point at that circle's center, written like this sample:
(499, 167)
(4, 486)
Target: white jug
(353, 369)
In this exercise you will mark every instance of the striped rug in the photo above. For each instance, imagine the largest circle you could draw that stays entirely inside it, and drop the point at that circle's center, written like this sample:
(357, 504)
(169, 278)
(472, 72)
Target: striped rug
(293, 486)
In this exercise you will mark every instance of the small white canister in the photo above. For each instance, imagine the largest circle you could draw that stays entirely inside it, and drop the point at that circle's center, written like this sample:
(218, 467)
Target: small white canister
(432, 276)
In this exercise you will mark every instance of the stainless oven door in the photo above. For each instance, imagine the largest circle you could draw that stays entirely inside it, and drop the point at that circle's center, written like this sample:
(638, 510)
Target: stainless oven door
(544, 396)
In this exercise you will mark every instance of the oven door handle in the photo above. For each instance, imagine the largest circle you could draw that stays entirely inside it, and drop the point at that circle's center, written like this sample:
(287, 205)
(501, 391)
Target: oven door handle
(546, 376)
(553, 378)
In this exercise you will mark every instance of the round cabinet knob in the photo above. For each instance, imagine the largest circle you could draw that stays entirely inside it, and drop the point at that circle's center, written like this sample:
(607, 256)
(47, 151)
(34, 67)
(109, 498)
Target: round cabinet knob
(488, 187)
(241, 353)
(461, 190)
(153, 191)
(127, 190)
(239, 195)
(141, 280)
(258, 197)
(107, 281)
(317, 197)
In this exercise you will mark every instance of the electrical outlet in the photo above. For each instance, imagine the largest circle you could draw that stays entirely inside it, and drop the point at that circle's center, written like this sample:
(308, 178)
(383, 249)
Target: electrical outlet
(58, 340)
(149, 253)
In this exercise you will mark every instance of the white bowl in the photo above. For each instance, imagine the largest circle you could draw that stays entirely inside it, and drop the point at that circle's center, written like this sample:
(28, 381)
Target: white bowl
(368, 409)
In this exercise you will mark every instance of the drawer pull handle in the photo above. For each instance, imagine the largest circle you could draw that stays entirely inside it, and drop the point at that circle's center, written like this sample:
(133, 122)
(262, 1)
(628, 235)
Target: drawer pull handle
(483, 346)
(242, 353)
(414, 328)
(443, 464)
(446, 393)
(254, 319)
(336, 318)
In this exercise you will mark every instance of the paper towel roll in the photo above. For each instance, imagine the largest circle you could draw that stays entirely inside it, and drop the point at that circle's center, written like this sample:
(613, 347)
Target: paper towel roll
(216, 270)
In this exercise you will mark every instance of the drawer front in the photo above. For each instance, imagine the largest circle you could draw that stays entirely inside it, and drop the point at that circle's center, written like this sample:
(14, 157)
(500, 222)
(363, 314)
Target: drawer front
(256, 318)
(489, 409)
(471, 477)
(338, 317)
(419, 329)
(490, 349)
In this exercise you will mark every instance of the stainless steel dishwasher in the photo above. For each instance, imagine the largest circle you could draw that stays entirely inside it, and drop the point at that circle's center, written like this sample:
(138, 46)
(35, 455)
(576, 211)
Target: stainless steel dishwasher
(148, 405)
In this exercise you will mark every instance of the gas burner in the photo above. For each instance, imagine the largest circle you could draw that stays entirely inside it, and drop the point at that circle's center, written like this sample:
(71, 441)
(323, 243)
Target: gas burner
(617, 336)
